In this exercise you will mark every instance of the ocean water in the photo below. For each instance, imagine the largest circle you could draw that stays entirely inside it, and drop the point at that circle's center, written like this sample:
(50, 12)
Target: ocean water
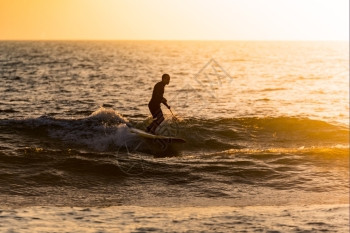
(266, 126)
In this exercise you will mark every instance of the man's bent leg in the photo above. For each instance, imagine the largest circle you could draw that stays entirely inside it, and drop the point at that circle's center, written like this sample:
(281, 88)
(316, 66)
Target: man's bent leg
(158, 119)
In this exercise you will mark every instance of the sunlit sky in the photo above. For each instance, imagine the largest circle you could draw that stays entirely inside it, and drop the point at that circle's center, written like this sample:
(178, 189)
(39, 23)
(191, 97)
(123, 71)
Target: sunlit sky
(174, 19)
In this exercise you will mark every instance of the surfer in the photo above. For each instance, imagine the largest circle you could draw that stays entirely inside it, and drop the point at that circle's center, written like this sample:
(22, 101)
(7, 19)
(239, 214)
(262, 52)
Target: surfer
(154, 103)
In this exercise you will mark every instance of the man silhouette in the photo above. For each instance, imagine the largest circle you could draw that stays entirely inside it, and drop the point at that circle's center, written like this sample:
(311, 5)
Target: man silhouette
(154, 104)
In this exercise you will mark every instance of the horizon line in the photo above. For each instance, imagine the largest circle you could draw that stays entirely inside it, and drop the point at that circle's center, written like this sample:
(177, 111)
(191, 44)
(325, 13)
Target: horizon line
(252, 40)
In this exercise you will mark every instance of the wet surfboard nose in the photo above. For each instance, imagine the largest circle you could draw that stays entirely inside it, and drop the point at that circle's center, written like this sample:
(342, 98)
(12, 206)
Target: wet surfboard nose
(167, 139)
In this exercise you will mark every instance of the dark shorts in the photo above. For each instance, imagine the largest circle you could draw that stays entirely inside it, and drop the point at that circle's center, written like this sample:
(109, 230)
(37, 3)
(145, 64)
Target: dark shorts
(156, 111)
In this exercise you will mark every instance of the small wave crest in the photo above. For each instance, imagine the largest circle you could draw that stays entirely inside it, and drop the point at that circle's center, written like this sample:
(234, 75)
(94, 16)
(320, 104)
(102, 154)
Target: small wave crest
(237, 133)
(103, 130)
(106, 129)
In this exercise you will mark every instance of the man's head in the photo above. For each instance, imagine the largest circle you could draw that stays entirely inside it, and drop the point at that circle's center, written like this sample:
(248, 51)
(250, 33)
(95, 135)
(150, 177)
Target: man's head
(166, 79)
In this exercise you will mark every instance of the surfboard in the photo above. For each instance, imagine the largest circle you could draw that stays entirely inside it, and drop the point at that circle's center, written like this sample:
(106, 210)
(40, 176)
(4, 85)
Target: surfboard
(166, 139)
